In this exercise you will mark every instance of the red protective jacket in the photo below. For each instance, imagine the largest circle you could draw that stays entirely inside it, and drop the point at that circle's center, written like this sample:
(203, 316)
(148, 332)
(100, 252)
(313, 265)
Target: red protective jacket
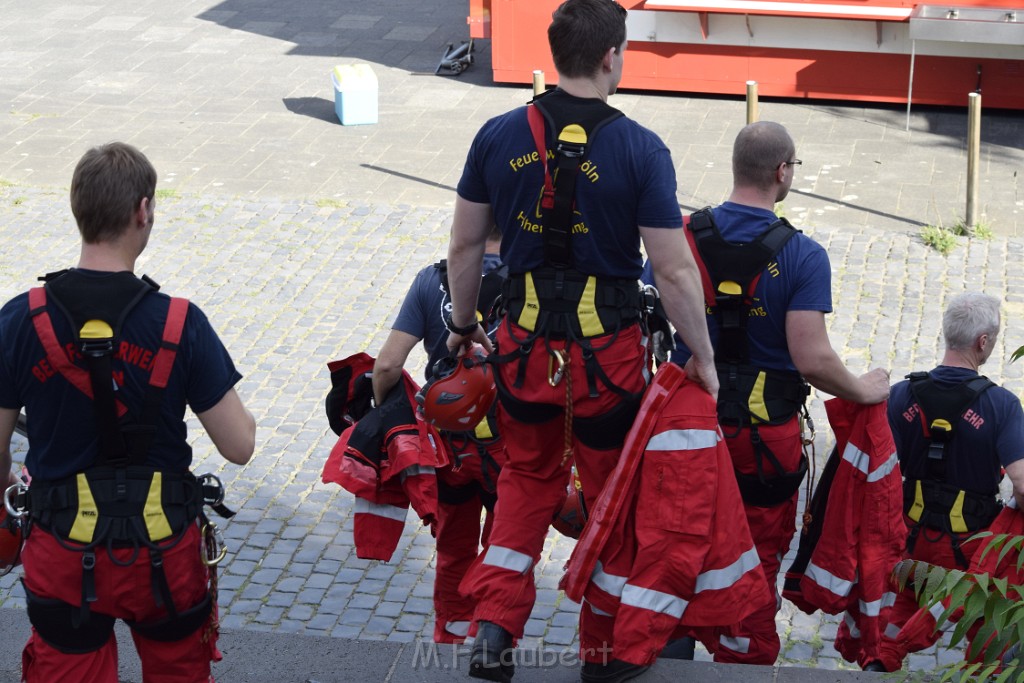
(667, 543)
(386, 459)
(859, 529)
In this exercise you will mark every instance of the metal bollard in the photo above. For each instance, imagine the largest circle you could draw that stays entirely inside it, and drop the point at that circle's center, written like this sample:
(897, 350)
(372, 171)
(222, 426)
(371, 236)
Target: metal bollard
(751, 102)
(973, 157)
(538, 82)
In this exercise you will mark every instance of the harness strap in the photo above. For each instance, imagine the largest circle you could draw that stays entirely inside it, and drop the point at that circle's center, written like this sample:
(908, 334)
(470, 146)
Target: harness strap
(140, 437)
(88, 584)
(55, 354)
(558, 196)
(730, 273)
(940, 410)
(536, 121)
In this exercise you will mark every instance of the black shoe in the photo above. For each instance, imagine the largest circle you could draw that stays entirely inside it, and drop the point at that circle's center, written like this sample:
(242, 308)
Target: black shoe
(491, 659)
(874, 666)
(614, 671)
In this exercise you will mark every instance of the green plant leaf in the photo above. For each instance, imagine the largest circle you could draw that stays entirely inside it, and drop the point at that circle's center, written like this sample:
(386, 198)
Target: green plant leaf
(902, 571)
(1017, 354)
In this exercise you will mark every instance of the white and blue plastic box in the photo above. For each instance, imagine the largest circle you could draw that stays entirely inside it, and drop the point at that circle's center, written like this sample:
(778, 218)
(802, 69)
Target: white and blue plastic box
(355, 94)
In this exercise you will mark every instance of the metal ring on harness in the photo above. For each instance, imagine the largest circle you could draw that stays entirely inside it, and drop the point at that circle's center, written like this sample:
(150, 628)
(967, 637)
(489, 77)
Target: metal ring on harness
(204, 481)
(15, 490)
(211, 540)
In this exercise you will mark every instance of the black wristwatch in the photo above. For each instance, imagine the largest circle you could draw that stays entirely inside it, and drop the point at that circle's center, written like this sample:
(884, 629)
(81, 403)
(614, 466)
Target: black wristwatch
(461, 331)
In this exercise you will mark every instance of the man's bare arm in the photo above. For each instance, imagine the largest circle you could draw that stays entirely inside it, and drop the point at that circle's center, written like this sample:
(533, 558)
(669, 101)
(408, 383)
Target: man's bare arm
(8, 421)
(470, 227)
(387, 370)
(231, 427)
(1015, 471)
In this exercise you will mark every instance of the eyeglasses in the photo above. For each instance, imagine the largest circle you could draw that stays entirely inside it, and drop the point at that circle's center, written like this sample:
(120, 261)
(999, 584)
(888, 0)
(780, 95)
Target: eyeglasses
(794, 162)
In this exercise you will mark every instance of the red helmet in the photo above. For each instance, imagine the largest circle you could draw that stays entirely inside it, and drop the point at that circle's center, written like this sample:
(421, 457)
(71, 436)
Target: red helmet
(10, 542)
(460, 392)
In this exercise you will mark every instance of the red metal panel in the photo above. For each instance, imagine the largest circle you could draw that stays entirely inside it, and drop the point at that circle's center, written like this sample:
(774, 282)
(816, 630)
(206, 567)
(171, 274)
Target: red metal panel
(479, 18)
(519, 33)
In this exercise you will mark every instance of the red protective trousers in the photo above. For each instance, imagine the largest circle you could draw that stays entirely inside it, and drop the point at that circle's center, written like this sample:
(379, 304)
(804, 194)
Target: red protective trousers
(754, 640)
(532, 485)
(55, 573)
(459, 535)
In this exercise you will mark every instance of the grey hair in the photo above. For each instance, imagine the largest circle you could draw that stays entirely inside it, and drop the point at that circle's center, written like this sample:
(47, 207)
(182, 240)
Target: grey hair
(967, 317)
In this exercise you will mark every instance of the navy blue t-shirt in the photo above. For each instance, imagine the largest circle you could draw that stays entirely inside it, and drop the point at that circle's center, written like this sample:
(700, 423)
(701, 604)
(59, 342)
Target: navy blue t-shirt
(626, 181)
(425, 306)
(990, 434)
(799, 279)
(62, 432)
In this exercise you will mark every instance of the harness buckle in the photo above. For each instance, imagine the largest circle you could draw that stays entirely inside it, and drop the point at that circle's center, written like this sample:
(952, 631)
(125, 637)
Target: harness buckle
(555, 374)
(214, 549)
(16, 500)
(97, 348)
(570, 150)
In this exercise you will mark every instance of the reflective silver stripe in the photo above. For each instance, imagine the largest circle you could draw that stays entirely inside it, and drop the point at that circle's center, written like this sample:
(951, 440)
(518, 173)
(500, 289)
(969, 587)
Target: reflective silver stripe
(417, 471)
(851, 624)
(936, 611)
(891, 631)
(655, 601)
(598, 612)
(509, 559)
(735, 644)
(683, 440)
(829, 581)
(856, 457)
(717, 579)
(884, 470)
(381, 510)
(888, 599)
(457, 628)
(862, 461)
(870, 609)
(609, 583)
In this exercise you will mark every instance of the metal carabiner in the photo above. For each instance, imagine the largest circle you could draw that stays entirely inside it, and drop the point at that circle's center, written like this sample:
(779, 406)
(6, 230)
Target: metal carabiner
(211, 540)
(555, 375)
(809, 423)
(14, 490)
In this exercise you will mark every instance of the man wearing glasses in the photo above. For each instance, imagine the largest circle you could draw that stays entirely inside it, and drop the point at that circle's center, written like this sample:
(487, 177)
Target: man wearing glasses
(768, 288)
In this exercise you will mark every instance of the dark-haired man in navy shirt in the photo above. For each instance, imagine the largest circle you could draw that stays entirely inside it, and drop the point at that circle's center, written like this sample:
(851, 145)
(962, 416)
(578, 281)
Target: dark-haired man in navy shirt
(105, 365)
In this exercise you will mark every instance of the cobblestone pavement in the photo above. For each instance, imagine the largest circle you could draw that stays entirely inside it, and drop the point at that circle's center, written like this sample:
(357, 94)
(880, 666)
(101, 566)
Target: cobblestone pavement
(298, 237)
(291, 285)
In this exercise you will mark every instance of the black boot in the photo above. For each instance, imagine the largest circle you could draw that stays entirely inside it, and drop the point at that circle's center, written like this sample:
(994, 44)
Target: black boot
(874, 666)
(491, 659)
(614, 671)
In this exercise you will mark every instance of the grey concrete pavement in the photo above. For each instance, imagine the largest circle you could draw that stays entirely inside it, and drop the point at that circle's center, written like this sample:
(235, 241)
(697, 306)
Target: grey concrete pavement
(234, 98)
(298, 237)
